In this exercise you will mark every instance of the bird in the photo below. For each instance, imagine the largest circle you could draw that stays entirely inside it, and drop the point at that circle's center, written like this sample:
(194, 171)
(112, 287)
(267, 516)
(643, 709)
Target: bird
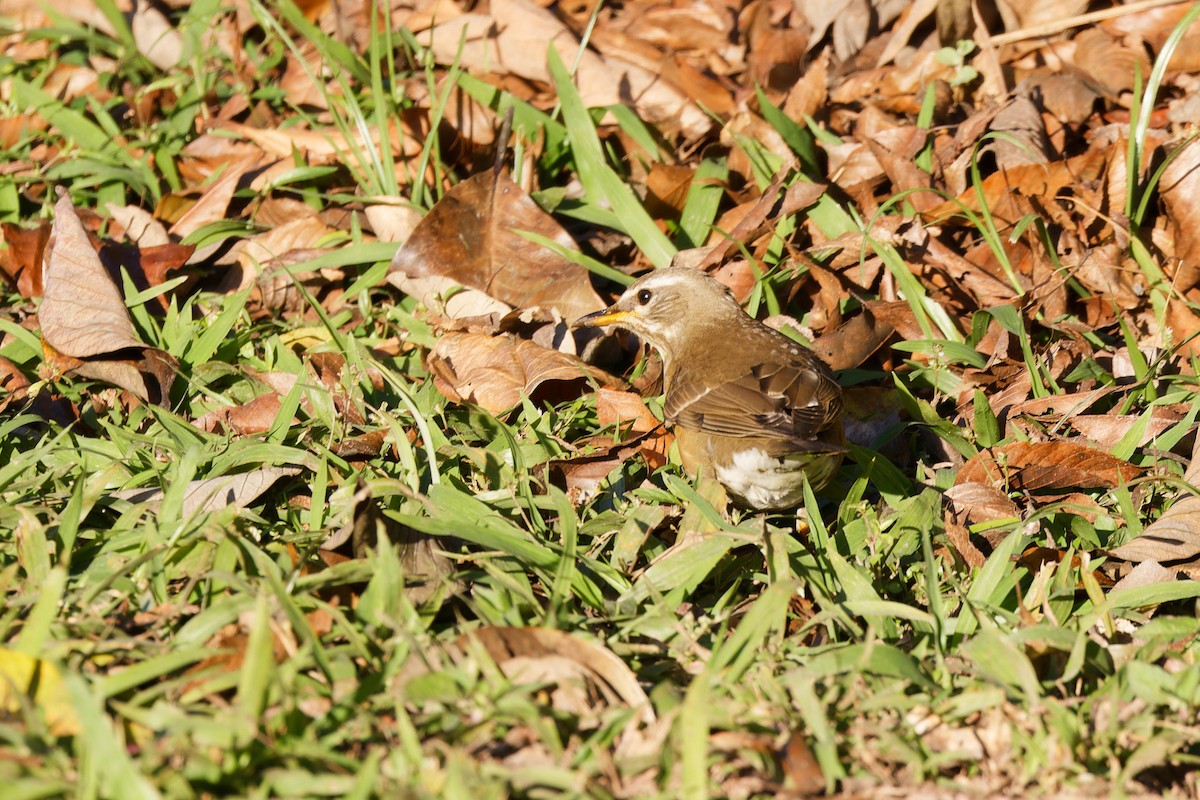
(749, 406)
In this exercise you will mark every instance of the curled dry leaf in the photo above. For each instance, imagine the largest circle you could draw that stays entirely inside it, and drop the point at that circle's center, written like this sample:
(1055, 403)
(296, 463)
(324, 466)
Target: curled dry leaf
(82, 313)
(1006, 193)
(83, 317)
(426, 568)
(800, 766)
(1028, 13)
(156, 38)
(363, 446)
(587, 677)
(1147, 573)
(627, 411)
(471, 236)
(256, 416)
(21, 257)
(854, 341)
(581, 476)
(13, 384)
(970, 504)
(494, 372)
(392, 223)
(512, 40)
(214, 203)
(1179, 189)
(329, 145)
(1175, 536)
(1107, 62)
(213, 494)
(1048, 469)
(138, 226)
(1022, 121)
(1105, 430)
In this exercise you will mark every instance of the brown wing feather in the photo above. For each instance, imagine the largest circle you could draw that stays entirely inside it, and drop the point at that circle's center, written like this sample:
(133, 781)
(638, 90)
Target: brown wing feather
(792, 402)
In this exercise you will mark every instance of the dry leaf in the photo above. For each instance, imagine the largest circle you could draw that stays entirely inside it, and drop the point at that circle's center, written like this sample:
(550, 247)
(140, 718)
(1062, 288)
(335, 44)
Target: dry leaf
(256, 416)
(138, 226)
(392, 223)
(1179, 188)
(472, 237)
(513, 39)
(585, 677)
(214, 203)
(1104, 60)
(82, 313)
(156, 37)
(41, 683)
(83, 317)
(426, 568)
(212, 494)
(13, 383)
(800, 766)
(1175, 536)
(1047, 468)
(1146, 573)
(22, 256)
(495, 372)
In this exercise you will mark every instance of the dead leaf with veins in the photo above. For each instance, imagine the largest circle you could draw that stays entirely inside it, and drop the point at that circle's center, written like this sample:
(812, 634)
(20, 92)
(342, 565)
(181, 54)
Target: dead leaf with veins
(472, 236)
(495, 372)
(84, 324)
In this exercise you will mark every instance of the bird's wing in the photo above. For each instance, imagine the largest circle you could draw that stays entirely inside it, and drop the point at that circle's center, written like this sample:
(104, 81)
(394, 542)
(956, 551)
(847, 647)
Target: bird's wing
(790, 402)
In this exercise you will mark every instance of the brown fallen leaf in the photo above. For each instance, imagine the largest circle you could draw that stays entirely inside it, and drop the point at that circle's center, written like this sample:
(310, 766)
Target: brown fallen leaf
(1179, 189)
(82, 313)
(495, 372)
(1006, 192)
(363, 446)
(585, 677)
(85, 326)
(21, 257)
(972, 503)
(214, 203)
(1105, 430)
(255, 416)
(1048, 469)
(854, 341)
(581, 476)
(156, 38)
(512, 39)
(136, 225)
(800, 766)
(211, 494)
(1147, 573)
(472, 236)
(14, 385)
(1107, 62)
(426, 568)
(158, 260)
(627, 411)
(1175, 536)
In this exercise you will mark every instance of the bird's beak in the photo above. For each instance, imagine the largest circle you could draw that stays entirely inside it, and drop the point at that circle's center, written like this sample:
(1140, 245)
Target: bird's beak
(598, 319)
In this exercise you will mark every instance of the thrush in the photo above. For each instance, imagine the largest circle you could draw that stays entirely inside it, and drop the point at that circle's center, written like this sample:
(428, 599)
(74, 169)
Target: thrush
(748, 405)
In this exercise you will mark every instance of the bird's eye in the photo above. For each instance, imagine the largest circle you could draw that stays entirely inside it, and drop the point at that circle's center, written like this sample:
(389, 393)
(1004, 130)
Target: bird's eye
(644, 296)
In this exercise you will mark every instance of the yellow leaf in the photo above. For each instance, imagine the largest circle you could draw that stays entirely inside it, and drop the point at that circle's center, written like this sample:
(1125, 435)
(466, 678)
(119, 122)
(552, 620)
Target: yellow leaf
(40, 682)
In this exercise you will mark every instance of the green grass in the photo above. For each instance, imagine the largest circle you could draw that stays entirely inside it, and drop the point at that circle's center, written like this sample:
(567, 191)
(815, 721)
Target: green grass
(154, 647)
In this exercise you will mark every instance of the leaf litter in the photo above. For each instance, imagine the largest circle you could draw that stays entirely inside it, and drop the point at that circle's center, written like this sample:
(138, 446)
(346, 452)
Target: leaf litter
(982, 217)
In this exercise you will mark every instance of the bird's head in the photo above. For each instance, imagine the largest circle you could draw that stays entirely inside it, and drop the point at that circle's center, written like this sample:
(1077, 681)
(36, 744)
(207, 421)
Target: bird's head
(666, 306)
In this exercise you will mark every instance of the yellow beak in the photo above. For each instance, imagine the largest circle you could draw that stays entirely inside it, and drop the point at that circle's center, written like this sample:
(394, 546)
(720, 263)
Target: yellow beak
(598, 319)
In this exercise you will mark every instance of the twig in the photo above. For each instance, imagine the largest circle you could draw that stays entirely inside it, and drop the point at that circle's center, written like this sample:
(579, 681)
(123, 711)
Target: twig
(1059, 25)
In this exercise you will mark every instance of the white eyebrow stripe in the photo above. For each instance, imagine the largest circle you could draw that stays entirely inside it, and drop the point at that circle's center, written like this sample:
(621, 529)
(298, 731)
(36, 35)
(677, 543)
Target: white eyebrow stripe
(661, 279)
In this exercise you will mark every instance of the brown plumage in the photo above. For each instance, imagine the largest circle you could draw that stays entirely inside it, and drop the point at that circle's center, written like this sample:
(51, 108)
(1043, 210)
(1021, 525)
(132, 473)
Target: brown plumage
(748, 405)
